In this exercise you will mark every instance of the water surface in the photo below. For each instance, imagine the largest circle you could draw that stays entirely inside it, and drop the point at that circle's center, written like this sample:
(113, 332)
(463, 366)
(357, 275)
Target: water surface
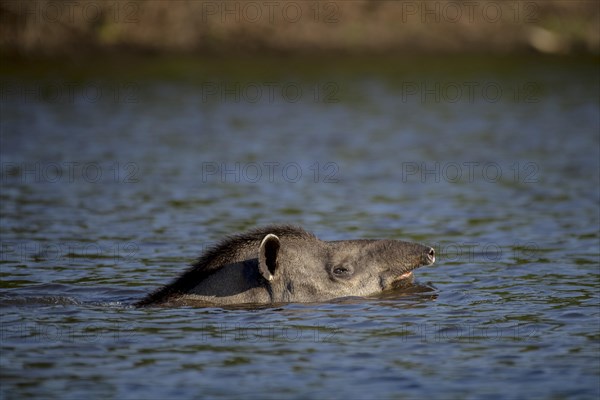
(113, 182)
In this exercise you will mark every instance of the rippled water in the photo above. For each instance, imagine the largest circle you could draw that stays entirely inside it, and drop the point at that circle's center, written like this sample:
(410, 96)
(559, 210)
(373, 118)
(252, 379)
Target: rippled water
(112, 184)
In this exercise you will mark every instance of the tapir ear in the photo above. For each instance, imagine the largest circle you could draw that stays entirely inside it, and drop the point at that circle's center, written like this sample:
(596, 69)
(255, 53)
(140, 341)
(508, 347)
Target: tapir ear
(267, 256)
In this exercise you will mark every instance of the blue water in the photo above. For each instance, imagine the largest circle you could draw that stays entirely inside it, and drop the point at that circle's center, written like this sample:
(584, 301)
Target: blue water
(112, 184)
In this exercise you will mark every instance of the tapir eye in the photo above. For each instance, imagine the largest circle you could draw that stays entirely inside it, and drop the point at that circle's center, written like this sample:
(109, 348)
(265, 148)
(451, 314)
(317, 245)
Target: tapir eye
(342, 271)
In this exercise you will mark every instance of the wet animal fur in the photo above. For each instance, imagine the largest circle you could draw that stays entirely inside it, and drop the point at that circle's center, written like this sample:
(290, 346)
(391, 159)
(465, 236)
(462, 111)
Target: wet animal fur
(218, 256)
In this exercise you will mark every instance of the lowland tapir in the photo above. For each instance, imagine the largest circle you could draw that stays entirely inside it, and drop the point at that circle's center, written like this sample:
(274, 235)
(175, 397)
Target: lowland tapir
(286, 264)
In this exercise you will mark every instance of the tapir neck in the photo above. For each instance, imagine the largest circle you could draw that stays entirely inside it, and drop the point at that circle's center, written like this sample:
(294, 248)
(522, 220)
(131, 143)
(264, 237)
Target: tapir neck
(233, 284)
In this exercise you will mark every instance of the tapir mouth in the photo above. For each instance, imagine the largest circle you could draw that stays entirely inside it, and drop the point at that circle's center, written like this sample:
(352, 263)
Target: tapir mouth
(406, 279)
(398, 281)
(407, 276)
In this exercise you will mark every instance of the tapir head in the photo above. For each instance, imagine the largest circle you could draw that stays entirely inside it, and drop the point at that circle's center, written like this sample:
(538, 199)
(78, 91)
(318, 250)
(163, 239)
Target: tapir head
(314, 270)
(281, 263)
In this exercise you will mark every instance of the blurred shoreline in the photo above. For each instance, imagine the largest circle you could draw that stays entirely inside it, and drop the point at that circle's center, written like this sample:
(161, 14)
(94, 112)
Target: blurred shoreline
(43, 28)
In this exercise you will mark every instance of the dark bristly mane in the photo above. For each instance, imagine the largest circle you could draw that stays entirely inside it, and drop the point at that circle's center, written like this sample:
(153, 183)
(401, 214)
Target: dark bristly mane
(219, 255)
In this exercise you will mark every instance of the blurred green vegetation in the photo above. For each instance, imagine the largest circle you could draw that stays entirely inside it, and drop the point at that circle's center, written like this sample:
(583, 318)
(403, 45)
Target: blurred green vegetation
(84, 27)
(195, 69)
